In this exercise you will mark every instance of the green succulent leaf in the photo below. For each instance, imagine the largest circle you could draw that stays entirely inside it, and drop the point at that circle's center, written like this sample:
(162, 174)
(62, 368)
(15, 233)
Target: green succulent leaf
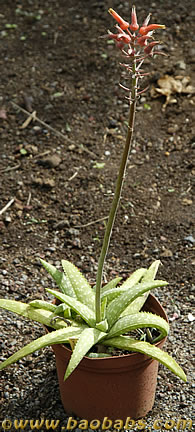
(15, 306)
(57, 310)
(133, 280)
(102, 325)
(41, 304)
(110, 285)
(138, 303)
(97, 355)
(119, 304)
(83, 291)
(139, 320)
(112, 293)
(151, 271)
(88, 338)
(55, 337)
(126, 343)
(43, 316)
(103, 308)
(81, 309)
(61, 280)
(62, 310)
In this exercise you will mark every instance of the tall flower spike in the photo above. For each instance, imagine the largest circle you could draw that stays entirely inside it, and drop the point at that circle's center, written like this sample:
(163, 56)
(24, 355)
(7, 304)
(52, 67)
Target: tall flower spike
(134, 24)
(123, 24)
(144, 30)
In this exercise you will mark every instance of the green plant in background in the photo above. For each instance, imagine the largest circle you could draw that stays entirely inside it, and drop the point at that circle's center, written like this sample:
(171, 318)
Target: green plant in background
(90, 319)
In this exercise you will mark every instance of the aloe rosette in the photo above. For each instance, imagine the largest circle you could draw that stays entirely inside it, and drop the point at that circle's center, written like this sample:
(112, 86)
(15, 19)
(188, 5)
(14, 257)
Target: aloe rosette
(74, 318)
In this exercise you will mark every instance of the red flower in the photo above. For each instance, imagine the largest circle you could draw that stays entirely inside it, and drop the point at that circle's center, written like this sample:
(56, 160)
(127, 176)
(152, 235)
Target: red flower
(134, 24)
(148, 49)
(146, 21)
(142, 40)
(123, 24)
(121, 37)
(146, 29)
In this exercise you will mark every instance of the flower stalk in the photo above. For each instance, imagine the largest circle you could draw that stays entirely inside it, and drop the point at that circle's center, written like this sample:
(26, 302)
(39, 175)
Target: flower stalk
(117, 193)
(136, 48)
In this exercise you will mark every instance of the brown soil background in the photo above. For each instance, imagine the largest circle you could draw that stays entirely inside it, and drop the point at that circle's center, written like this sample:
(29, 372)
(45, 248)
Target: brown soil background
(54, 62)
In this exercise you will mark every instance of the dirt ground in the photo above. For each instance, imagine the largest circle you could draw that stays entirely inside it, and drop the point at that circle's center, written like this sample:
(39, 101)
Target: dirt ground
(54, 62)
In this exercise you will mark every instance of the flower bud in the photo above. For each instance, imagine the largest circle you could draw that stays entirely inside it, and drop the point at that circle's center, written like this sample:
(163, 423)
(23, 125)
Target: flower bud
(111, 36)
(120, 38)
(146, 29)
(134, 24)
(148, 48)
(142, 41)
(123, 24)
(123, 36)
(146, 21)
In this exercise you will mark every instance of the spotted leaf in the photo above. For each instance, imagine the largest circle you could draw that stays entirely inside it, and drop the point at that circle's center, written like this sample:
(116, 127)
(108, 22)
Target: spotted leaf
(139, 320)
(118, 305)
(55, 337)
(126, 343)
(61, 280)
(112, 293)
(112, 284)
(148, 276)
(88, 338)
(81, 309)
(102, 325)
(42, 316)
(83, 291)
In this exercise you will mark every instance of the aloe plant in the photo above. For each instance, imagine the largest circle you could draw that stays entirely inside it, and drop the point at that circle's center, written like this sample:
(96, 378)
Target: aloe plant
(120, 314)
(91, 319)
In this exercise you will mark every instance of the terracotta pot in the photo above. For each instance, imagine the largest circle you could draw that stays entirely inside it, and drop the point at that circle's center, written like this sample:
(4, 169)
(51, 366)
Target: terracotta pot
(113, 387)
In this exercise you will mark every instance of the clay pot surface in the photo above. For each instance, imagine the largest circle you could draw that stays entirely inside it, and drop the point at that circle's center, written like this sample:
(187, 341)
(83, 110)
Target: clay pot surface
(113, 387)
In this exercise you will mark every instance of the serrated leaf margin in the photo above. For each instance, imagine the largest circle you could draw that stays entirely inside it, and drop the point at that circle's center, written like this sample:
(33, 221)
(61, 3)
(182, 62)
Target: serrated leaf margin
(139, 320)
(126, 343)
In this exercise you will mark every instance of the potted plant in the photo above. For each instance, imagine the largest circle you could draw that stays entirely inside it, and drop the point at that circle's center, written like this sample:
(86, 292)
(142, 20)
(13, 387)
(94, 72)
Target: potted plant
(90, 329)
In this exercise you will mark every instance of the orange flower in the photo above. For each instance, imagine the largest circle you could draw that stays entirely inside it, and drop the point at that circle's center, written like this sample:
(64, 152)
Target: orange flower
(123, 24)
(146, 29)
